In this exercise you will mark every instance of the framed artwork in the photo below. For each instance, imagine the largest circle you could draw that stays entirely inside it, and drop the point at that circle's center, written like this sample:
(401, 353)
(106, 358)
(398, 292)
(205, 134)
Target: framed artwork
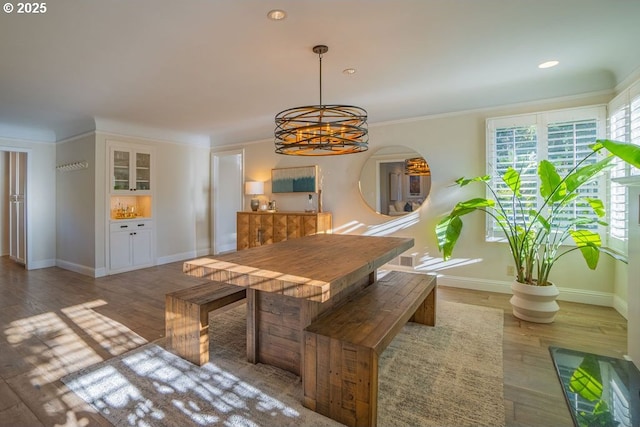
(295, 180)
(414, 185)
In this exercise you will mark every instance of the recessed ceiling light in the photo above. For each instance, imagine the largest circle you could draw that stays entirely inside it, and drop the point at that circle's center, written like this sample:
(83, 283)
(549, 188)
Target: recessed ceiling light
(548, 64)
(277, 14)
(349, 71)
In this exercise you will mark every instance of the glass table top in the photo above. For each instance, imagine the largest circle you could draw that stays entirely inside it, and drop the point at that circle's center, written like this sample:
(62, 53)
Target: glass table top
(599, 390)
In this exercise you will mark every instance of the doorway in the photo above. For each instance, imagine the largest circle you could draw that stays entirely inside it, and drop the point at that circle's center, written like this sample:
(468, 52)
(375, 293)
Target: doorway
(13, 209)
(227, 177)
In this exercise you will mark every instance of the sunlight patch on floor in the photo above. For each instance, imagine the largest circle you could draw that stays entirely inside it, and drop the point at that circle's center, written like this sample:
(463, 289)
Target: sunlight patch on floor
(204, 395)
(113, 336)
(54, 345)
(50, 346)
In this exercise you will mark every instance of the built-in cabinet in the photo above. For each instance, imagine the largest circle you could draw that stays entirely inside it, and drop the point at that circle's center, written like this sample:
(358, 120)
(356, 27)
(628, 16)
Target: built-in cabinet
(131, 229)
(264, 228)
(130, 170)
(130, 245)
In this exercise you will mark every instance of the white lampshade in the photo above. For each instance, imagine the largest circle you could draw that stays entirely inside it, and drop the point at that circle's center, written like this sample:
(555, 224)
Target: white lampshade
(254, 187)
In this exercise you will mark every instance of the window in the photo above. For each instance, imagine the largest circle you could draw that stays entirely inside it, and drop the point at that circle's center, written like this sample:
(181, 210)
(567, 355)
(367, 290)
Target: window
(563, 137)
(624, 125)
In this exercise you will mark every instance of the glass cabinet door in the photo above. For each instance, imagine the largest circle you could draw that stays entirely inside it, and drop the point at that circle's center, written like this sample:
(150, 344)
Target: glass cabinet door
(121, 170)
(143, 171)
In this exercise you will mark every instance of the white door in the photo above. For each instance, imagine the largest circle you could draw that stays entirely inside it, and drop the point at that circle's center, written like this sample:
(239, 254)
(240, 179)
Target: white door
(119, 249)
(141, 247)
(227, 178)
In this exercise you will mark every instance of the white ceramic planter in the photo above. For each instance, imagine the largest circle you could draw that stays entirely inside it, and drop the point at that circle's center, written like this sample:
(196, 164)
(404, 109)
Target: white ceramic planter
(534, 303)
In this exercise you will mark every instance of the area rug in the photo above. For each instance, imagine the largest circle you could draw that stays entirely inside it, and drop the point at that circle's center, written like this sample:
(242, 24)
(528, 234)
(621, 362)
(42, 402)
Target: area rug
(447, 375)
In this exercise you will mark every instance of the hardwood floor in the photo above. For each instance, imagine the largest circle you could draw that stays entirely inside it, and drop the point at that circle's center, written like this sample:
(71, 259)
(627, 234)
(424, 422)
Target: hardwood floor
(54, 322)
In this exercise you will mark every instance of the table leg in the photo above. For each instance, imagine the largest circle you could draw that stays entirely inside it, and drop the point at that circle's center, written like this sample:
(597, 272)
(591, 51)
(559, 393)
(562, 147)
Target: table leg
(252, 327)
(275, 324)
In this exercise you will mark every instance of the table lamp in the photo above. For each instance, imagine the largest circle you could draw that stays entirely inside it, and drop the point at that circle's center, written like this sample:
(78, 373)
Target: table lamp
(254, 188)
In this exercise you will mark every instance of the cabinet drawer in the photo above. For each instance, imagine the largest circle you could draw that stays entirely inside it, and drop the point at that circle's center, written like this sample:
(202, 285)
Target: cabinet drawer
(130, 225)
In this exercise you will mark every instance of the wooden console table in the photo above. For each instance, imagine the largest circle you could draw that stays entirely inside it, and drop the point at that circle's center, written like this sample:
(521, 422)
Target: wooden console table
(264, 228)
(290, 283)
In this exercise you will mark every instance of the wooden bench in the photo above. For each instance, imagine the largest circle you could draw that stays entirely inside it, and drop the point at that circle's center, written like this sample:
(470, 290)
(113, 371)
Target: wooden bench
(342, 347)
(187, 317)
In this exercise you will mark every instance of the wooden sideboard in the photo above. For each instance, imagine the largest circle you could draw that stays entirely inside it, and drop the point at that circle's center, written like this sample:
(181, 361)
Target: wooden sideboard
(264, 228)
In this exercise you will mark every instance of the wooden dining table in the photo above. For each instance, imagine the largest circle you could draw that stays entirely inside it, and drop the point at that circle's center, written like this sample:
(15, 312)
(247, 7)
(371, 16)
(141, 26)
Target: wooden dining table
(290, 283)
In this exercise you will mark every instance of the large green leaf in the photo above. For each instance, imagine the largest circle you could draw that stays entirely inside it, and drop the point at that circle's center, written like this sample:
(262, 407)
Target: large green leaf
(512, 178)
(589, 244)
(586, 379)
(597, 206)
(551, 185)
(447, 231)
(585, 173)
(449, 228)
(464, 181)
(463, 208)
(626, 151)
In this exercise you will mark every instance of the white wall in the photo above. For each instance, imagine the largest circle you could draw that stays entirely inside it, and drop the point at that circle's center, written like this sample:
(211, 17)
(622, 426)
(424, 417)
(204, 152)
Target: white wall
(182, 201)
(41, 199)
(454, 146)
(75, 208)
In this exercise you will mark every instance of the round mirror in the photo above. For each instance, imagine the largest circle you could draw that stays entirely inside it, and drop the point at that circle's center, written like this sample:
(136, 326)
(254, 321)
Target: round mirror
(395, 181)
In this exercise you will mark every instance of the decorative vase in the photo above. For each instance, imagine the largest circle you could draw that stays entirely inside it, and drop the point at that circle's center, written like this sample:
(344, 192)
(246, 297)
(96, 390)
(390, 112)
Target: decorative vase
(534, 303)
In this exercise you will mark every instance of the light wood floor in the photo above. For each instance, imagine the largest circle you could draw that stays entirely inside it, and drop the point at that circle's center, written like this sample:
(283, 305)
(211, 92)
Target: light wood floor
(54, 322)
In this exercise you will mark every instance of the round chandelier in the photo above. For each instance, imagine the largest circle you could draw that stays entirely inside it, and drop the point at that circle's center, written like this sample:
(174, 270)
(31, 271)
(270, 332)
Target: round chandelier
(321, 130)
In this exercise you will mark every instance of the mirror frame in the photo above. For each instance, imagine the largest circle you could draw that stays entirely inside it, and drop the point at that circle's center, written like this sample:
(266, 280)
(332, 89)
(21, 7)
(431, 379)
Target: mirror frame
(373, 195)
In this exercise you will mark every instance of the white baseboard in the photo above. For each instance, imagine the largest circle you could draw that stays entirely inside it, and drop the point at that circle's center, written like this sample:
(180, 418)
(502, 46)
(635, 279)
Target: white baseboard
(175, 258)
(101, 272)
(475, 284)
(78, 268)
(566, 294)
(205, 252)
(620, 305)
(45, 263)
(586, 297)
(183, 256)
(226, 248)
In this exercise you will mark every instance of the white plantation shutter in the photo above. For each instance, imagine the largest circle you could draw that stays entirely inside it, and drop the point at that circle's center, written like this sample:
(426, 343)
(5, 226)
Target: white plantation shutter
(567, 144)
(563, 137)
(634, 122)
(515, 147)
(624, 125)
(617, 206)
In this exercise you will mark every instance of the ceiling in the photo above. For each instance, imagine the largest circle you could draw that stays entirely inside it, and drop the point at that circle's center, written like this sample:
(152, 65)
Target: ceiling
(219, 70)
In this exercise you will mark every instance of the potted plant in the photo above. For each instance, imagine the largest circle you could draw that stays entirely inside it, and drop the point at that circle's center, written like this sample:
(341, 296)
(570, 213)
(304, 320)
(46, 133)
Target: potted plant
(537, 236)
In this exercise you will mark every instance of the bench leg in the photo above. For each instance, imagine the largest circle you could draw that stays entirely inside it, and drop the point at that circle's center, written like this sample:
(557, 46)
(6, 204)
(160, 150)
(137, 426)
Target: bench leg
(187, 330)
(426, 313)
(340, 381)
